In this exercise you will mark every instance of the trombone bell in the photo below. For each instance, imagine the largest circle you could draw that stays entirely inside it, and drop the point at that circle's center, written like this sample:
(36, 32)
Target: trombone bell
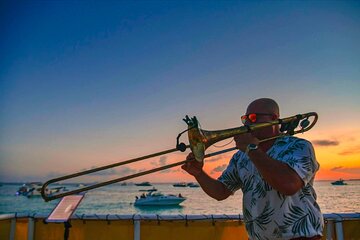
(200, 140)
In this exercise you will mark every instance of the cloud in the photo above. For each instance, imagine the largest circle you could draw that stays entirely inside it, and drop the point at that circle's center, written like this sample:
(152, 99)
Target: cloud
(220, 168)
(350, 151)
(126, 171)
(54, 174)
(165, 171)
(336, 168)
(325, 142)
(106, 172)
(163, 160)
(160, 163)
(112, 171)
(346, 170)
(142, 170)
(213, 159)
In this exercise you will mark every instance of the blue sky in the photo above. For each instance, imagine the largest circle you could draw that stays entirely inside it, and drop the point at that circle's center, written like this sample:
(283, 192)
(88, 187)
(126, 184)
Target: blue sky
(106, 80)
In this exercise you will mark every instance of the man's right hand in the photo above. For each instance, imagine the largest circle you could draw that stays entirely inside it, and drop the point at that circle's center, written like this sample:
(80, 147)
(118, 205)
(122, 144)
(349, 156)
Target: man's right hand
(211, 186)
(192, 166)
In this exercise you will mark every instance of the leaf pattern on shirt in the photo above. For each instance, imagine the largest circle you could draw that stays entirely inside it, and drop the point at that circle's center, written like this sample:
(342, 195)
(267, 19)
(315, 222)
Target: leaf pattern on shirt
(279, 143)
(306, 192)
(248, 184)
(307, 164)
(315, 221)
(316, 205)
(298, 145)
(243, 163)
(281, 197)
(297, 218)
(259, 222)
(231, 180)
(304, 163)
(261, 188)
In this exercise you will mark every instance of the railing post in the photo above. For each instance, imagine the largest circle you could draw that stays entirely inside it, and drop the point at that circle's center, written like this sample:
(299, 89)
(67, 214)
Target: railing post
(329, 229)
(31, 227)
(136, 227)
(12, 228)
(339, 229)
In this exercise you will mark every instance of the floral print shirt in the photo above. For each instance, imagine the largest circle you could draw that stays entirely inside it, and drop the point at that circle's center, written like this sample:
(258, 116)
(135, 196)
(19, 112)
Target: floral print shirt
(268, 214)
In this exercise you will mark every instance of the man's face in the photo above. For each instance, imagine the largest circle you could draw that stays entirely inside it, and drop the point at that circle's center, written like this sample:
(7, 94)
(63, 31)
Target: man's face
(257, 114)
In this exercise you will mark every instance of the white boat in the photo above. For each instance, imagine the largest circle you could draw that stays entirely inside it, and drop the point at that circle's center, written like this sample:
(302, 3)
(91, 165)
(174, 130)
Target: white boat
(27, 187)
(33, 189)
(158, 199)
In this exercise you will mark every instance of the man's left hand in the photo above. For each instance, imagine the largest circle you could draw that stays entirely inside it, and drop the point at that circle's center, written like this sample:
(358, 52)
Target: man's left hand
(243, 140)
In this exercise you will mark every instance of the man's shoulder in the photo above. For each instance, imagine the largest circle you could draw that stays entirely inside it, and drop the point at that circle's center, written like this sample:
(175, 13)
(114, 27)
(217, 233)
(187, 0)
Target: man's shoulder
(239, 154)
(291, 142)
(293, 139)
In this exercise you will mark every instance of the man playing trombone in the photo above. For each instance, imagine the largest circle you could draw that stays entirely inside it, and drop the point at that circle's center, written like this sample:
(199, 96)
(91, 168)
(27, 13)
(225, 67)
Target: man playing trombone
(276, 177)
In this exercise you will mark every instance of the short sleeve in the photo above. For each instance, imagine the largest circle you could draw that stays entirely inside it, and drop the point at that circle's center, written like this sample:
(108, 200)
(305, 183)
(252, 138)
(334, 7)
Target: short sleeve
(300, 156)
(230, 176)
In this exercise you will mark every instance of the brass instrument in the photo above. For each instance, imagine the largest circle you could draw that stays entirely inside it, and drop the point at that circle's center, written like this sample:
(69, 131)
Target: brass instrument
(199, 141)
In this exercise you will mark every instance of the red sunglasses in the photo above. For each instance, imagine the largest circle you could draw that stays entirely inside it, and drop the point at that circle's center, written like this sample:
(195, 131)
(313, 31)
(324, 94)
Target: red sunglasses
(252, 117)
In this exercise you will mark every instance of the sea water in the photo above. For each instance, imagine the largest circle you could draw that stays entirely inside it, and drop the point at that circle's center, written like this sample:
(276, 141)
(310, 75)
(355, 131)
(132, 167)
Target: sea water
(118, 199)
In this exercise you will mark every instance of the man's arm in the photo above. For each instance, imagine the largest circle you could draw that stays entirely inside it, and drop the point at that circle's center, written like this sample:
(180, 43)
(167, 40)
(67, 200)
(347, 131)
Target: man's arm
(278, 174)
(211, 186)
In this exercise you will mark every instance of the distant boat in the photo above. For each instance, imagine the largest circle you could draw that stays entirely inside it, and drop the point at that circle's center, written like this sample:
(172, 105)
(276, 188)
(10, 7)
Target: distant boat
(33, 189)
(193, 185)
(148, 190)
(143, 184)
(158, 199)
(182, 184)
(339, 182)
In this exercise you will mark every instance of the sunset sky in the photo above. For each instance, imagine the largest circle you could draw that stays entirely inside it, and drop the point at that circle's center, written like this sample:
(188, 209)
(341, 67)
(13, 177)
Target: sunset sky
(89, 83)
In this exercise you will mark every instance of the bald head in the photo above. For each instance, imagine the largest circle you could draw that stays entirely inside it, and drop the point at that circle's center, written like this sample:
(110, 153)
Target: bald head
(269, 106)
(263, 105)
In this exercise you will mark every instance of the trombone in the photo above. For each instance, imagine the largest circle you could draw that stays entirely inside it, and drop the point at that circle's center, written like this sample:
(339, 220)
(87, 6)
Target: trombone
(199, 141)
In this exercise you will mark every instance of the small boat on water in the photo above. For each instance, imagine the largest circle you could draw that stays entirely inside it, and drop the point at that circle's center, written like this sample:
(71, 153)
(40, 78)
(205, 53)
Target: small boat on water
(193, 185)
(143, 184)
(158, 199)
(33, 189)
(339, 182)
(181, 184)
(148, 190)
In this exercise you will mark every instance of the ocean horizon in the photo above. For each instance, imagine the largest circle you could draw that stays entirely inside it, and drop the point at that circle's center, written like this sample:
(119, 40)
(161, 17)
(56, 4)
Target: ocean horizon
(119, 199)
